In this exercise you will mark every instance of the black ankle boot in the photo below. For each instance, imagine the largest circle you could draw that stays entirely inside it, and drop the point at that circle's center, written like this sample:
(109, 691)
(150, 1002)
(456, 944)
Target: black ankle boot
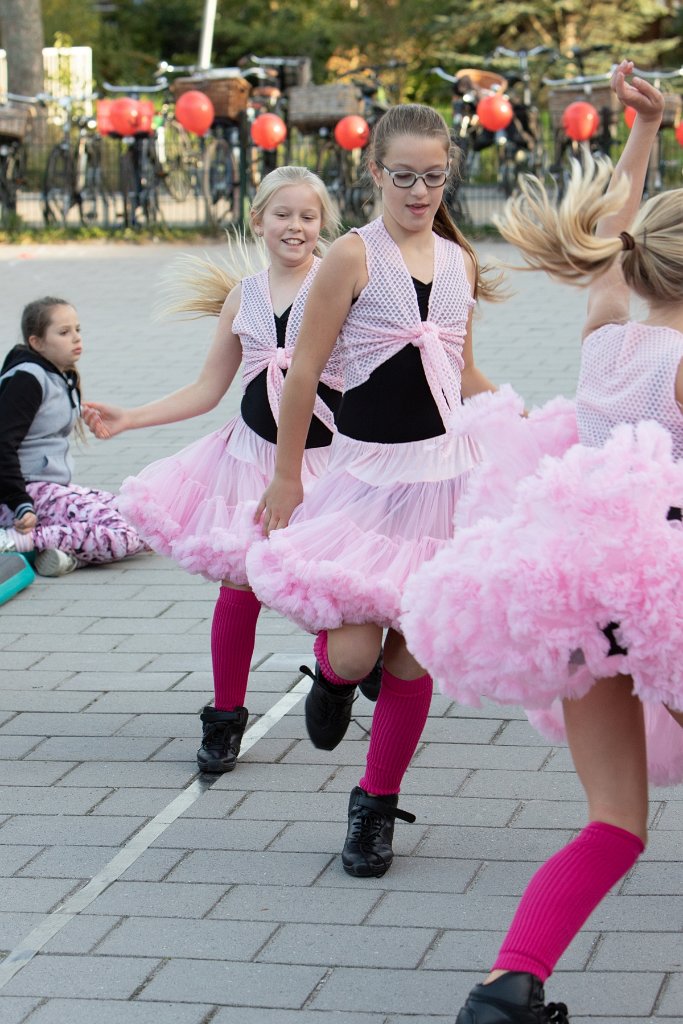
(327, 709)
(367, 851)
(222, 733)
(514, 998)
(370, 686)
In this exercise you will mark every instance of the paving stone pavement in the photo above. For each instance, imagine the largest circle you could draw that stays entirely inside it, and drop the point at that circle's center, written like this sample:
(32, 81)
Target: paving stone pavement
(227, 903)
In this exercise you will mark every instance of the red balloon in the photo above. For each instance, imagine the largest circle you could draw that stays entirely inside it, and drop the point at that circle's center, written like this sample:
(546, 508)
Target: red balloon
(194, 110)
(268, 131)
(629, 116)
(580, 120)
(495, 112)
(125, 116)
(352, 132)
(678, 132)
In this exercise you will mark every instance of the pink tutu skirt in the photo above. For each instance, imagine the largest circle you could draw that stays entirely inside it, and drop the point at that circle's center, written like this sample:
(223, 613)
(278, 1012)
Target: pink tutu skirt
(516, 607)
(197, 506)
(378, 514)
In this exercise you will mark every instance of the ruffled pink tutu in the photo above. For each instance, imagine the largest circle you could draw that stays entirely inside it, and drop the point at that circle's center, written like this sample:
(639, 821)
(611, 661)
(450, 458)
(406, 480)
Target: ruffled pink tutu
(514, 608)
(378, 514)
(197, 506)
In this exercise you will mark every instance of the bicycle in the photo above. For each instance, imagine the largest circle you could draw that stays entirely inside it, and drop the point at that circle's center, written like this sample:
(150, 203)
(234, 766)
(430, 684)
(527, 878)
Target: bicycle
(520, 145)
(342, 170)
(73, 174)
(470, 85)
(593, 89)
(140, 171)
(14, 121)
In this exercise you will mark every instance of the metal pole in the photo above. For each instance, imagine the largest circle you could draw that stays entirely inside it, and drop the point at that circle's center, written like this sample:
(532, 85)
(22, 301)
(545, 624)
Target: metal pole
(206, 38)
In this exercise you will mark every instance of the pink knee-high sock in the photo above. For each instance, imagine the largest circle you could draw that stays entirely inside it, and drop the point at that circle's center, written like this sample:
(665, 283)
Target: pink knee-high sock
(233, 632)
(400, 716)
(321, 656)
(562, 895)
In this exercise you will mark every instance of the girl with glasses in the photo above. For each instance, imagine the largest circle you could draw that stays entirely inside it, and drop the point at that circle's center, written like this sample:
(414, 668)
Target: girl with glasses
(399, 293)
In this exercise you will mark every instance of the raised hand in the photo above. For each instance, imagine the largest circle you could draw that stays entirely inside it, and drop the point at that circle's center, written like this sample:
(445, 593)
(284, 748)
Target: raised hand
(647, 101)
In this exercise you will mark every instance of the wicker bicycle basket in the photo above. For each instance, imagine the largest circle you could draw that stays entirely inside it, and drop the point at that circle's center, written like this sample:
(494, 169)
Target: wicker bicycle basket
(13, 121)
(484, 81)
(229, 96)
(311, 107)
(561, 96)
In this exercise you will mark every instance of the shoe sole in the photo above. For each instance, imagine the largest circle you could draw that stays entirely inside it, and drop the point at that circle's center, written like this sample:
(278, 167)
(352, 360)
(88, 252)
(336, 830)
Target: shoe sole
(365, 870)
(215, 770)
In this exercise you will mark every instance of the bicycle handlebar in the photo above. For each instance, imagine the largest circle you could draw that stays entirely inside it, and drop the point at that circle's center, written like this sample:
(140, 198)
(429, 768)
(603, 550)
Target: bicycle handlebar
(443, 74)
(579, 80)
(653, 75)
(502, 51)
(135, 90)
(277, 62)
(16, 97)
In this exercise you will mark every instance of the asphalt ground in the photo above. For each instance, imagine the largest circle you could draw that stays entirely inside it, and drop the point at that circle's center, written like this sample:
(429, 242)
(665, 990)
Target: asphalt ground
(134, 892)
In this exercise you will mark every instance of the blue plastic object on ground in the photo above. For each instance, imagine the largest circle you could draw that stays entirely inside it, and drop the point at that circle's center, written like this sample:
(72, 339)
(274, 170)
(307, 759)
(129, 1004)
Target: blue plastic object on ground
(15, 574)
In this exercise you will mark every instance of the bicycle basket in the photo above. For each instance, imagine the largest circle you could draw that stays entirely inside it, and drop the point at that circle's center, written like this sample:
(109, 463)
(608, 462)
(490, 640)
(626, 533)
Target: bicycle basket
(229, 96)
(13, 121)
(561, 96)
(311, 107)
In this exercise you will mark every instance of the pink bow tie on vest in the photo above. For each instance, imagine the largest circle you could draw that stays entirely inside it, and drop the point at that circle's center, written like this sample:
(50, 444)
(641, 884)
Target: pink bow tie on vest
(443, 382)
(277, 366)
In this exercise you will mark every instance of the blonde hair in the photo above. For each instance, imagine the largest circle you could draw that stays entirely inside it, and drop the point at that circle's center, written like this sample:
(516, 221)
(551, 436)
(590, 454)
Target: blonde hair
(421, 121)
(561, 240)
(205, 283)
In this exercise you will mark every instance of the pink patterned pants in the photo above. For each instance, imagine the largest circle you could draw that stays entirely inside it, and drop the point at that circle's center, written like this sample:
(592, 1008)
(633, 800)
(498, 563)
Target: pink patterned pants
(81, 521)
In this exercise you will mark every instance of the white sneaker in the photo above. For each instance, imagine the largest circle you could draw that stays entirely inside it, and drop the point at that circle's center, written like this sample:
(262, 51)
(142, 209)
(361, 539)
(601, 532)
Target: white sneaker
(6, 542)
(54, 562)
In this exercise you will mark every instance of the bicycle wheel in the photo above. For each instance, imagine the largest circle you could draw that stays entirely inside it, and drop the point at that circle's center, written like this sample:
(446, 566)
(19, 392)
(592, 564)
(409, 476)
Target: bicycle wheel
(130, 189)
(221, 182)
(149, 181)
(330, 167)
(92, 199)
(177, 154)
(58, 190)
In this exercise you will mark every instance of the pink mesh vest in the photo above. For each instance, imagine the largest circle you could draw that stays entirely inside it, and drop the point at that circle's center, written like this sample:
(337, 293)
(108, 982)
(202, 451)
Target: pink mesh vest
(386, 317)
(255, 326)
(628, 374)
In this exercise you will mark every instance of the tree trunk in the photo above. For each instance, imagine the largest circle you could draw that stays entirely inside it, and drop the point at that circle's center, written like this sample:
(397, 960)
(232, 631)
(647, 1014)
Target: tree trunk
(21, 29)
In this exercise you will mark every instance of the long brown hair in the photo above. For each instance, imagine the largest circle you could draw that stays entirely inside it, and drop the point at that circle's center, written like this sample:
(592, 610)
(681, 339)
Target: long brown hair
(36, 317)
(420, 121)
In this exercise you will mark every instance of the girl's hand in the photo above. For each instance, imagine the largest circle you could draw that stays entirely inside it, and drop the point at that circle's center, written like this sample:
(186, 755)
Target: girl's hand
(277, 504)
(26, 522)
(104, 421)
(647, 101)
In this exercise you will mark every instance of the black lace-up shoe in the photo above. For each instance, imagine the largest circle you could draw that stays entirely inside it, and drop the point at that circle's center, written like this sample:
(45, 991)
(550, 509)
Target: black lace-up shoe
(327, 710)
(222, 733)
(514, 998)
(367, 851)
(370, 686)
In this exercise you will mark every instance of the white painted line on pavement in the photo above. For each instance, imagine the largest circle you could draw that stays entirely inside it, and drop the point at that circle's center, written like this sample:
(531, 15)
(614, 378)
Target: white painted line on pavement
(135, 847)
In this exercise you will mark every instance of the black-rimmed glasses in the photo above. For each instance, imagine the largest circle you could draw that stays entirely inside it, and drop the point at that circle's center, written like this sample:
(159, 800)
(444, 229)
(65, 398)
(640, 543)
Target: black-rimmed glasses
(406, 179)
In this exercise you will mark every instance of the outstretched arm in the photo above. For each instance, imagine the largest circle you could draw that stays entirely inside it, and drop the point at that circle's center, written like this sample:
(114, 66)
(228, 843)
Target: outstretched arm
(608, 296)
(215, 377)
